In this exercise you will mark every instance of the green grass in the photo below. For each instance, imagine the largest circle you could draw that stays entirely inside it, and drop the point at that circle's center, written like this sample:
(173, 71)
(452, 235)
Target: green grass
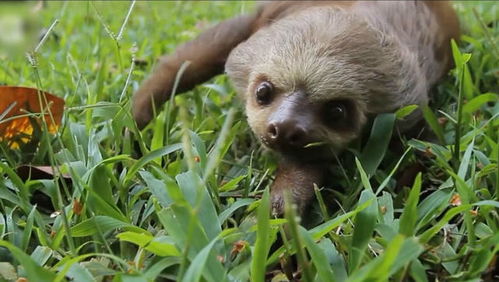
(194, 206)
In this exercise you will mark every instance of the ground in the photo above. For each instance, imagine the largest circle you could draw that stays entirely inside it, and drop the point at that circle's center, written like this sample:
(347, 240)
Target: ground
(187, 197)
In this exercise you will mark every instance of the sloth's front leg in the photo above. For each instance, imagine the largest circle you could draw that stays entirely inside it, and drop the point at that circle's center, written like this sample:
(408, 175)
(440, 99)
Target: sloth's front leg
(205, 57)
(298, 179)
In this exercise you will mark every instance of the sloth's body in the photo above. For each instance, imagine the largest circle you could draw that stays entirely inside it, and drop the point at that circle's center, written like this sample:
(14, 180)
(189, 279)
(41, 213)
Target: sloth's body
(313, 72)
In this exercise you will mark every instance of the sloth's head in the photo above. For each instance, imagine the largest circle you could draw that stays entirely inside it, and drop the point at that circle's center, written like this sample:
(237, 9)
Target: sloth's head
(314, 78)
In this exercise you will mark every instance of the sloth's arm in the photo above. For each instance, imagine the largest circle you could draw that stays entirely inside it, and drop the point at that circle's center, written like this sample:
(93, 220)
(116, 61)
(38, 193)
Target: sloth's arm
(206, 55)
(298, 179)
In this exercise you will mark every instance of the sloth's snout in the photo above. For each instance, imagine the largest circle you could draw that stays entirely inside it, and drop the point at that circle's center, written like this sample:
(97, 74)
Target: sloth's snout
(287, 134)
(291, 124)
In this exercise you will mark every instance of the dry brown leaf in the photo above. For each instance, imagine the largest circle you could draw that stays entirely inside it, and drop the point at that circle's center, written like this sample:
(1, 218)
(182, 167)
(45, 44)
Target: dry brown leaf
(238, 247)
(17, 106)
(33, 172)
(77, 207)
(455, 200)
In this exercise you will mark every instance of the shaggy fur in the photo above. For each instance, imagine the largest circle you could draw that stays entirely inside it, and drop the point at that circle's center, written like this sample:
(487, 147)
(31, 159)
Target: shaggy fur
(377, 55)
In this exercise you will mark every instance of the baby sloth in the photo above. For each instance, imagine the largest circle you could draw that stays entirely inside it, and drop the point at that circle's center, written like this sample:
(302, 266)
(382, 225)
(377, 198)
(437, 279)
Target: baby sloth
(313, 72)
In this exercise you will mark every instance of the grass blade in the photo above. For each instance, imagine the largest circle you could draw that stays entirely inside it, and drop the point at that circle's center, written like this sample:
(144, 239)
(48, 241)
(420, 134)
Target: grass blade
(364, 227)
(324, 271)
(381, 134)
(432, 121)
(410, 213)
(195, 270)
(262, 245)
(33, 270)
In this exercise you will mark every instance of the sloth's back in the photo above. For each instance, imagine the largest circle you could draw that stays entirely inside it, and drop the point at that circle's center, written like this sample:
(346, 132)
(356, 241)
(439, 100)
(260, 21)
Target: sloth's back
(425, 27)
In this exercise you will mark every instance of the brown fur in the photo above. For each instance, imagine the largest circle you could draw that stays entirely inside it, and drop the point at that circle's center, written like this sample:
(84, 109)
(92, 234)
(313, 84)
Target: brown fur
(376, 55)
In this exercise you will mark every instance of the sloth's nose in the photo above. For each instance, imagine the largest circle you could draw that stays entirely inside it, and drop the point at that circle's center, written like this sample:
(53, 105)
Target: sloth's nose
(286, 134)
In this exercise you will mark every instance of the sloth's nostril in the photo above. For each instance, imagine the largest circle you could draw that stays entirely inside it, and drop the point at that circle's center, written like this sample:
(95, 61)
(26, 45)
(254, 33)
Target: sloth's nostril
(286, 134)
(273, 131)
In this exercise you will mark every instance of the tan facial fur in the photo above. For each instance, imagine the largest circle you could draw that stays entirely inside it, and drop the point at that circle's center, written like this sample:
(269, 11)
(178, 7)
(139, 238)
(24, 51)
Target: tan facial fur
(328, 54)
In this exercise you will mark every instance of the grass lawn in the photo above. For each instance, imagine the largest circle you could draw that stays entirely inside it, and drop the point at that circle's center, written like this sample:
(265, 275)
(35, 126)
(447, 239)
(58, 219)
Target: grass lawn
(187, 197)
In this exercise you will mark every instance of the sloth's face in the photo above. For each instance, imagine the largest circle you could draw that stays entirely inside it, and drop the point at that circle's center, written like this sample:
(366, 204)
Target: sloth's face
(292, 122)
(310, 81)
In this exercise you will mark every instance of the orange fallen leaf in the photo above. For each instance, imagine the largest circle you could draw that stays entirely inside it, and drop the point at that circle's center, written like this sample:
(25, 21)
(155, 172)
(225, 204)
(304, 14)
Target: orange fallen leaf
(20, 107)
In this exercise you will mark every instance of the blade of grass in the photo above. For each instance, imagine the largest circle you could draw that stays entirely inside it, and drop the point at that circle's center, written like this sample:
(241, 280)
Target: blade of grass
(432, 121)
(376, 146)
(364, 225)
(151, 156)
(319, 259)
(262, 244)
(33, 270)
(195, 270)
(290, 215)
(407, 225)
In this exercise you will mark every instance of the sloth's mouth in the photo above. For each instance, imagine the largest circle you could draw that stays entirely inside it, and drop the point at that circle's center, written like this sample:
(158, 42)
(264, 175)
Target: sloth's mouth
(323, 153)
(317, 151)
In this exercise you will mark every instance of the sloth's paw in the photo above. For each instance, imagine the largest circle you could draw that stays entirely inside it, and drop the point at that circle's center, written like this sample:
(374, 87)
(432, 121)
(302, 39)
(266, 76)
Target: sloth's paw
(142, 106)
(277, 204)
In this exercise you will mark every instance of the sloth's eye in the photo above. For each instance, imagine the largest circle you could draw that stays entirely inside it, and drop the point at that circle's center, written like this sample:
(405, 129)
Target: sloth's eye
(263, 92)
(337, 111)
(338, 114)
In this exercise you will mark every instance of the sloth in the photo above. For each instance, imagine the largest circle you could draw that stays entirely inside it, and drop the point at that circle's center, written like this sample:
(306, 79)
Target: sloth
(314, 72)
